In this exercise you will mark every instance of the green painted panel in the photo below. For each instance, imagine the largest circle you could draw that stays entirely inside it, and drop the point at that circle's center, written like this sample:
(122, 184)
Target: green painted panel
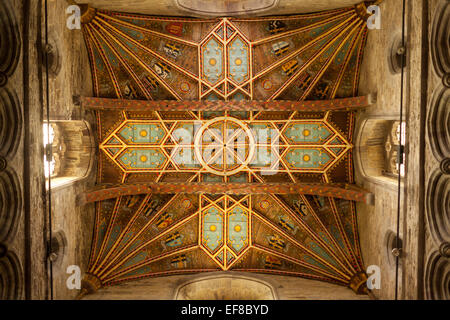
(142, 133)
(304, 133)
(152, 158)
(237, 229)
(212, 229)
(308, 158)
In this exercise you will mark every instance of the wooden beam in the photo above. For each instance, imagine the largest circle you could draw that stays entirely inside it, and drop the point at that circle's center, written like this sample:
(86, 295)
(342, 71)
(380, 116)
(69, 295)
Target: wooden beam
(342, 191)
(278, 105)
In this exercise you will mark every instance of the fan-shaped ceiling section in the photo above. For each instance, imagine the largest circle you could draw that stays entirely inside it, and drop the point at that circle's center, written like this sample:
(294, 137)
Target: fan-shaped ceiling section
(150, 235)
(226, 288)
(303, 57)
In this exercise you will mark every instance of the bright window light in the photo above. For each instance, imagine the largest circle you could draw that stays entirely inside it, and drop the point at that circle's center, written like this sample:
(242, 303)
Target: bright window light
(49, 135)
(402, 141)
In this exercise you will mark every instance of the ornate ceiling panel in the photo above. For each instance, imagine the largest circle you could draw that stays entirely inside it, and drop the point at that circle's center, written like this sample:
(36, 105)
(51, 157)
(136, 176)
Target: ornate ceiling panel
(306, 57)
(151, 235)
(225, 146)
(311, 56)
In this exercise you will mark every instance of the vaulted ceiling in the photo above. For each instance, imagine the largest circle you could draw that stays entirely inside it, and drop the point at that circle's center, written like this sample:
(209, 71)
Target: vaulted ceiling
(308, 57)
(305, 57)
(225, 147)
(219, 7)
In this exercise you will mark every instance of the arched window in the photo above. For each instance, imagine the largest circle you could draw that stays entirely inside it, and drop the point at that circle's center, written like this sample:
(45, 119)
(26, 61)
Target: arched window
(69, 149)
(380, 152)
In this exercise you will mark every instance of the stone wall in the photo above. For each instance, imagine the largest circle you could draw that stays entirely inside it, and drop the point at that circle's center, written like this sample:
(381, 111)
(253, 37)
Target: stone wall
(436, 247)
(24, 251)
(205, 8)
(12, 242)
(377, 219)
(73, 78)
(24, 216)
(424, 191)
(285, 288)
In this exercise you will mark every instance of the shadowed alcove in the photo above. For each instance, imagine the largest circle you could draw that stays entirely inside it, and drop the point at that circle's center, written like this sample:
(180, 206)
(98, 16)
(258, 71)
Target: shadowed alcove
(378, 143)
(226, 287)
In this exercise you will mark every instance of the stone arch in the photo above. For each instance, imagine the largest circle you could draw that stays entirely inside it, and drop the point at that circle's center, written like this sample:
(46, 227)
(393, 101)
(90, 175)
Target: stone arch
(376, 149)
(440, 47)
(10, 204)
(226, 287)
(437, 277)
(438, 123)
(11, 277)
(73, 151)
(437, 206)
(10, 43)
(10, 122)
(226, 7)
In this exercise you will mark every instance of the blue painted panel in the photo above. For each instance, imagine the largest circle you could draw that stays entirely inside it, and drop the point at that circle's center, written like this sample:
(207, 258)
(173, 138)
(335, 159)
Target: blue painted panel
(303, 133)
(142, 133)
(237, 229)
(238, 60)
(212, 229)
(142, 158)
(213, 61)
(307, 158)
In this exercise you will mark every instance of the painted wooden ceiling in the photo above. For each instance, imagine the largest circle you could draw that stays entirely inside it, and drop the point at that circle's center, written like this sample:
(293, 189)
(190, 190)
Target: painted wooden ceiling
(225, 147)
(157, 235)
(312, 56)
(305, 57)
